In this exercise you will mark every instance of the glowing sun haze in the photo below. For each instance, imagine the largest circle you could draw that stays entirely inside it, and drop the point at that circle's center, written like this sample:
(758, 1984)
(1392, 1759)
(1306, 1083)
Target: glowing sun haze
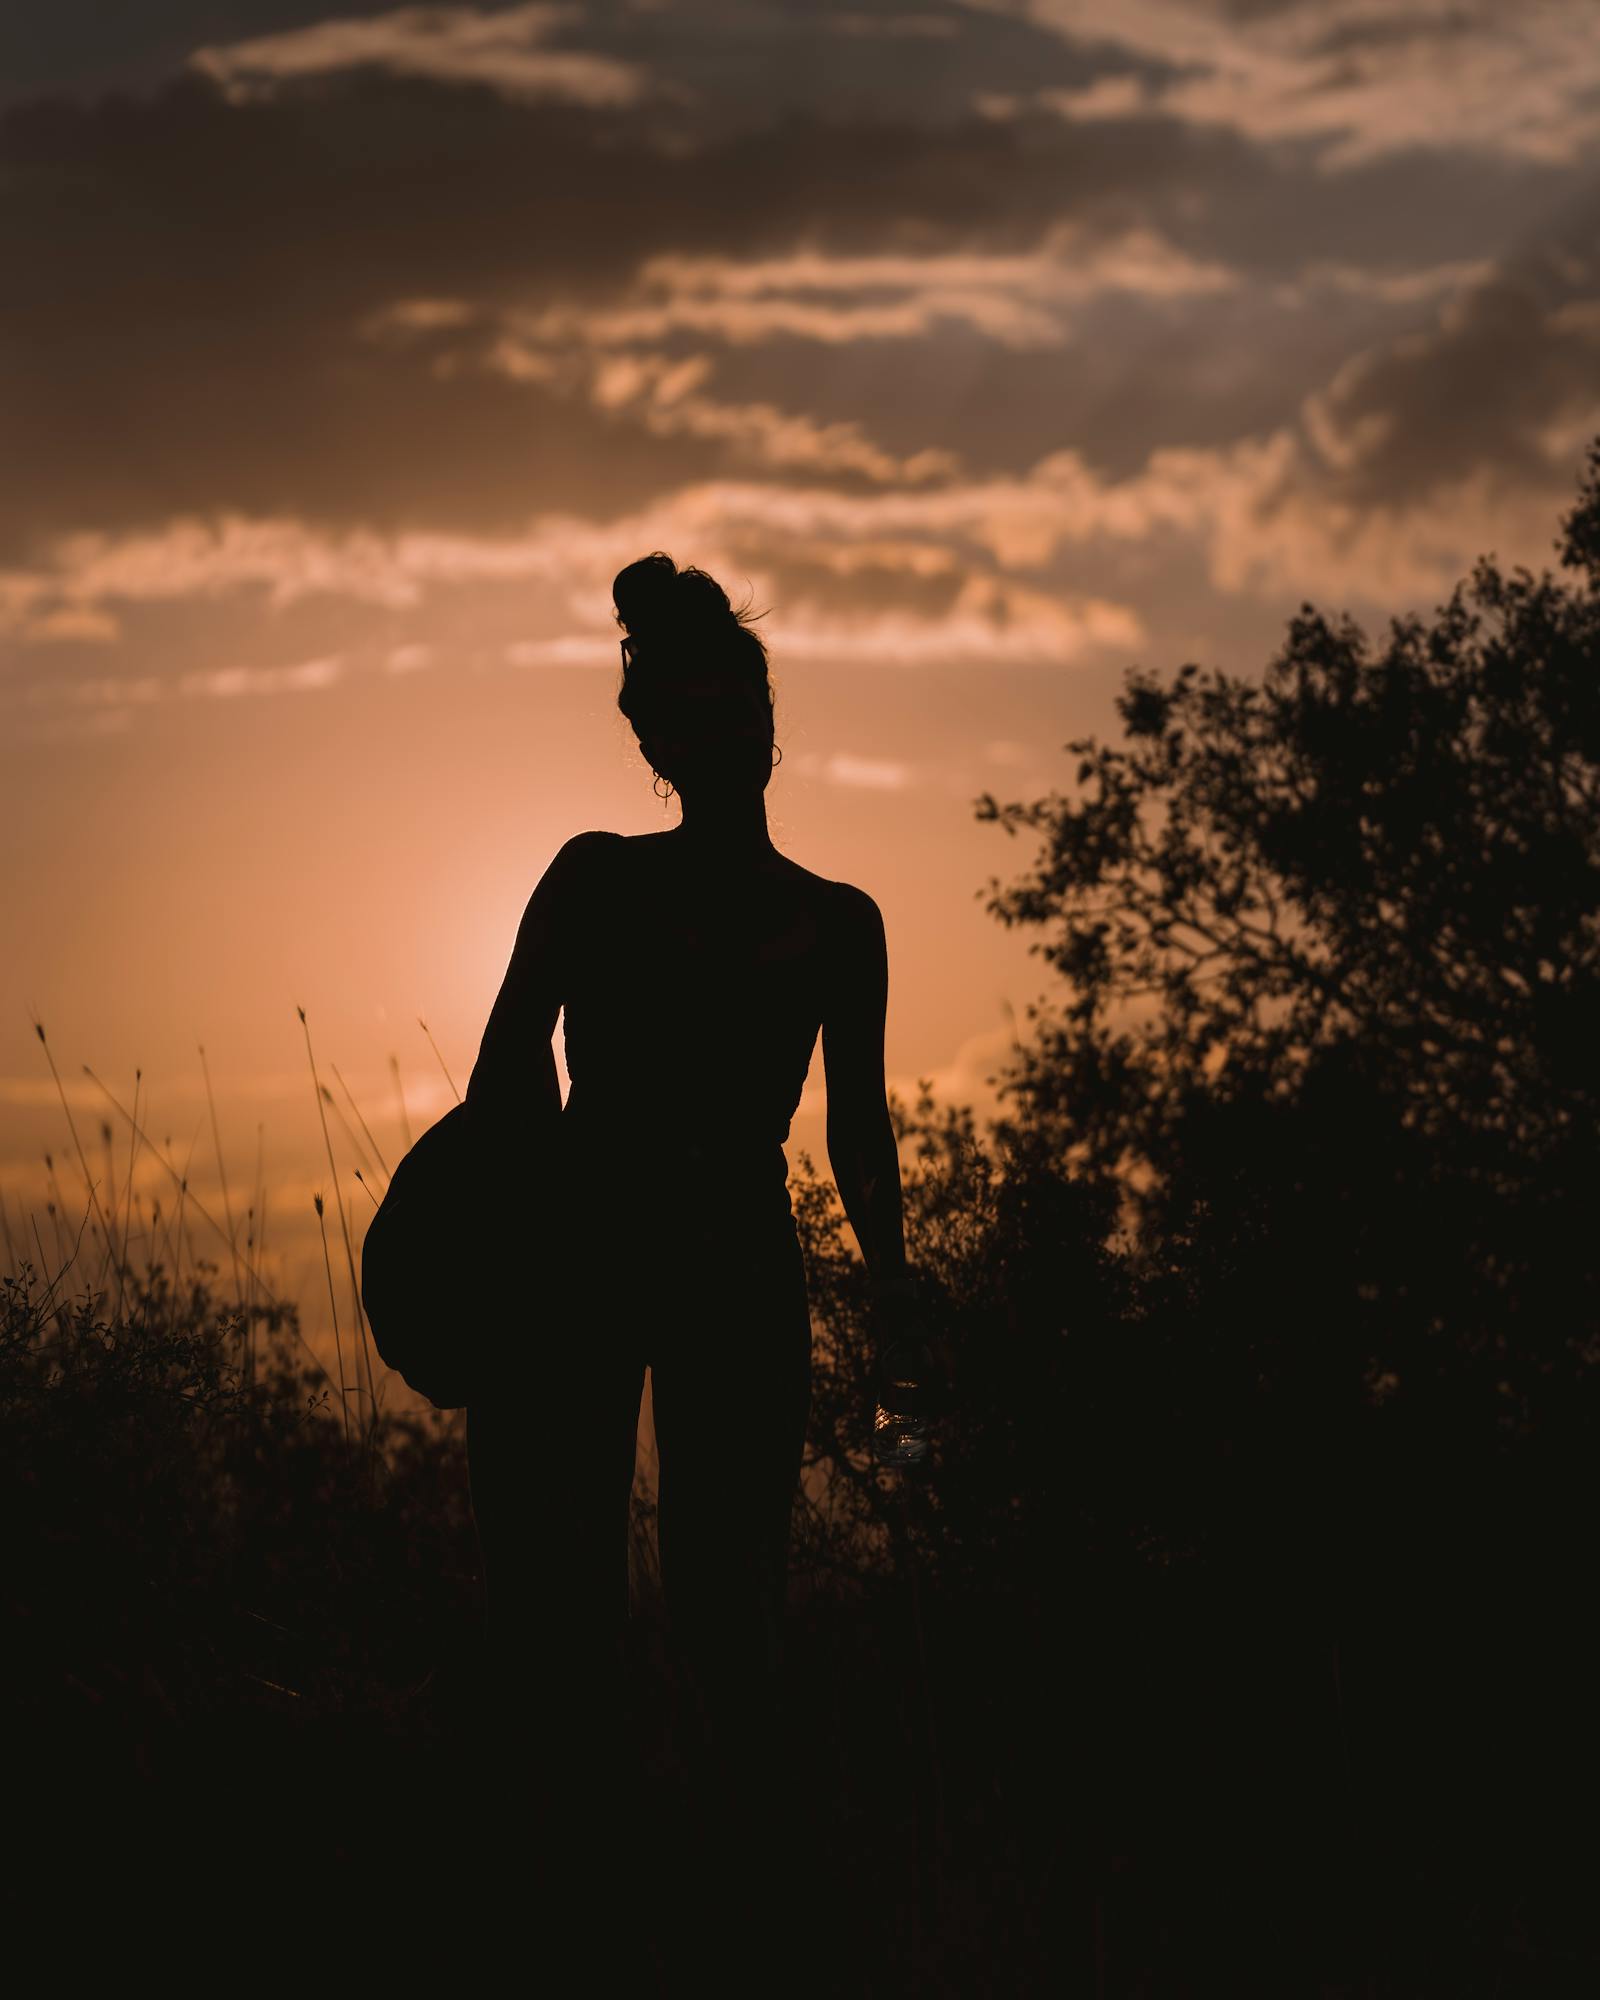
(988, 348)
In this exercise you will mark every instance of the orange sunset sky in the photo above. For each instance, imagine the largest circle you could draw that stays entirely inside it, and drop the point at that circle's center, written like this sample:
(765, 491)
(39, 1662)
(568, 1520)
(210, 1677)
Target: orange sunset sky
(350, 350)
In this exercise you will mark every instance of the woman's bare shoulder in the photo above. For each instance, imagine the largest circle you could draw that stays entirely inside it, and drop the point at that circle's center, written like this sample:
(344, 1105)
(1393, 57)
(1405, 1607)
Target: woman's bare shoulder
(847, 896)
(851, 915)
(573, 864)
(581, 845)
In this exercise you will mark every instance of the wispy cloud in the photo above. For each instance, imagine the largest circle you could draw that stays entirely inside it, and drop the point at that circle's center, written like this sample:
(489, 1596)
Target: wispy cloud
(1306, 508)
(1392, 288)
(225, 683)
(408, 659)
(662, 395)
(966, 1077)
(1357, 78)
(97, 691)
(992, 622)
(733, 527)
(70, 623)
(505, 49)
(1019, 299)
(873, 774)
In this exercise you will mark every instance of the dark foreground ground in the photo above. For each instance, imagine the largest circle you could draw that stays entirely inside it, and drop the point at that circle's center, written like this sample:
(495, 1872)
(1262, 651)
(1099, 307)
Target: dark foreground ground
(1337, 1737)
(1189, 1795)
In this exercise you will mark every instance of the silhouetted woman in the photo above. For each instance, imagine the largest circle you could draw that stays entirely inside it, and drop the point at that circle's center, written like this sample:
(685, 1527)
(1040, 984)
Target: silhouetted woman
(696, 967)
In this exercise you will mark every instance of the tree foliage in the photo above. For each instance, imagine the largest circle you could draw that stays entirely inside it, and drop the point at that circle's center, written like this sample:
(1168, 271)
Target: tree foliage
(1330, 945)
(1283, 1237)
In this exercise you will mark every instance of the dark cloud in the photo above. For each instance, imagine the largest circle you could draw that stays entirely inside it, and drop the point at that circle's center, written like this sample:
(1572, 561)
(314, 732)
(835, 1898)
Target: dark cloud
(866, 588)
(1393, 30)
(1510, 368)
(727, 67)
(198, 273)
(1133, 376)
(86, 46)
(187, 333)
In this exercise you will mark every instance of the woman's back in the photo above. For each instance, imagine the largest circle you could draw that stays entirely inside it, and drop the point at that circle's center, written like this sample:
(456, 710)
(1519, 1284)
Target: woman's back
(694, 995)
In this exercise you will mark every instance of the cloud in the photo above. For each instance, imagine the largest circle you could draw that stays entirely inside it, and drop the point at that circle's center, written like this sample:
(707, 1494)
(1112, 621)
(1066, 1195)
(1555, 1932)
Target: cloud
(963, 1079)
(372, 297)
(225, 683)
(703, 67)
(75, 624)
(243, 374)
(1506, 373)
(662, 396)
(97, 691)
(1275, 524)
(733, 527)
(1354, 79)
(504, 49)
(1017, 298)
(409, 659)
(966, 1077)
(942, 386)
(992, 622)
(566, 649)
(1417, 454)
(97, 703)
(1396, 288)
(861, 773)
(286, 560)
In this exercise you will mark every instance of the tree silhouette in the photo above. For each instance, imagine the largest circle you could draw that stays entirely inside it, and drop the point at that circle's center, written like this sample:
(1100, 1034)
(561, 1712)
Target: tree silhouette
(1330, 956)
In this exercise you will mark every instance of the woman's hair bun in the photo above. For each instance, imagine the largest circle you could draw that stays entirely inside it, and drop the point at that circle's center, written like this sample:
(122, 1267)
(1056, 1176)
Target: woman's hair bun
(654, 596)
(680, 620)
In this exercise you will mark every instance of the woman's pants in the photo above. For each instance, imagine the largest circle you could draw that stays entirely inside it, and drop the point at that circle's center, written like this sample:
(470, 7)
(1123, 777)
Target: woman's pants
(717, 1310)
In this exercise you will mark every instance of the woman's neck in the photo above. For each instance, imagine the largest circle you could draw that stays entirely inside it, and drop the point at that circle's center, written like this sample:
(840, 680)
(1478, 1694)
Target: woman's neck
(725, 828)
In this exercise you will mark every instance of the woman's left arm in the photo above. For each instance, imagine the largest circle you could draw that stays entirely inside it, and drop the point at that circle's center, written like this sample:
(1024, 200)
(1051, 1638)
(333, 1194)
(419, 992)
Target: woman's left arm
(862, 1149)
(864, 1152)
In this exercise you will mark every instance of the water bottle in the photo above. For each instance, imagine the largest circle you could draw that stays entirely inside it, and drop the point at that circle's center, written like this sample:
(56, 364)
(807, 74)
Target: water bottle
(900, 1429)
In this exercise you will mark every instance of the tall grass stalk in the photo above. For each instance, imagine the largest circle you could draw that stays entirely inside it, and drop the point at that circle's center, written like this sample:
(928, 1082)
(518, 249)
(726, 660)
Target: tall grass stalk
(344, 1396)
(44, 1263)
(432, 1044)
(400, 1097)
(186, 1195)
(222, 1173)
(83, 1165)
(183, 1193)
(356, 1108)
(127, 1206)
(108, 1262)
(55, 1206)
(260, 1253)
(253, 1241)
(356, 1146)
(344, 1225)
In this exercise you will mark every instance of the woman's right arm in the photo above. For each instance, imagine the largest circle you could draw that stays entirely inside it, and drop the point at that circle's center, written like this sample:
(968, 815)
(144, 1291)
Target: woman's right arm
(514, 1093)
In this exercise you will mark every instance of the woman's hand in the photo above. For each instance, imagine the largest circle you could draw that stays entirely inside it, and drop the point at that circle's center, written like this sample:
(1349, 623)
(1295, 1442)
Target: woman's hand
(913, 1369)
